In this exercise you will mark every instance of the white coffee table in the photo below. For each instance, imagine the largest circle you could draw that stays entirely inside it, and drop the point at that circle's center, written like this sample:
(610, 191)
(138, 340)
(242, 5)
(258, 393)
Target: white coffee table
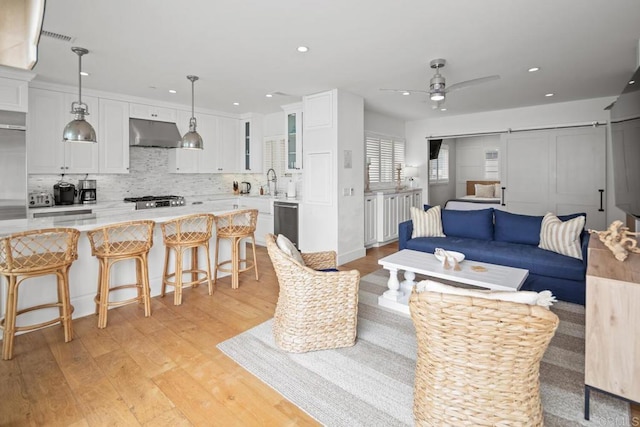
(496, 277)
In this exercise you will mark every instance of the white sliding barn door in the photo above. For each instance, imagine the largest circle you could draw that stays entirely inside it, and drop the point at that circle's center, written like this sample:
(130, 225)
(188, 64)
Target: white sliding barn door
(560, 171)
(526, 173)
(580, 174)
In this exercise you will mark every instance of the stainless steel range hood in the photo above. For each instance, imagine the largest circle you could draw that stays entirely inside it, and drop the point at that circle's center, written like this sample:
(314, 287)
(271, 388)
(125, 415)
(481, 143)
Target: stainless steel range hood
(149, 133)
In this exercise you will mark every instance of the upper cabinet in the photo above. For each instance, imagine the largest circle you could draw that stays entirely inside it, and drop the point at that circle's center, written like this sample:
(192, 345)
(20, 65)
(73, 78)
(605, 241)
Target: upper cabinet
(49, 113)
(251, 129)
(318, 110)
(151, 112)
(113, 137)
(221, 142)
(293, 136)
(13, 95)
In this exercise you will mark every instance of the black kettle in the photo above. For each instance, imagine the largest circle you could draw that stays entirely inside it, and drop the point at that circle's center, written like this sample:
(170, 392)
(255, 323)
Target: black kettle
(245, 187)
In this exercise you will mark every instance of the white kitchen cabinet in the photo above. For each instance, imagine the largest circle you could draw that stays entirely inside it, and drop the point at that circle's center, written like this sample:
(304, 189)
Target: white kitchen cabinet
(13, 95)
(228, 160)
(318, 110)
(265, 215)
(113, 137)
(293, 135)
(152, 112)
(370, 220)
(385, 211)
(251, 146)
(49, 113)
(186, 161)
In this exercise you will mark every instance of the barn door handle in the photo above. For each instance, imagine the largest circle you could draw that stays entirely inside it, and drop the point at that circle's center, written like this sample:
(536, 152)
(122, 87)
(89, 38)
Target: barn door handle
(601, 200)
(502, 197)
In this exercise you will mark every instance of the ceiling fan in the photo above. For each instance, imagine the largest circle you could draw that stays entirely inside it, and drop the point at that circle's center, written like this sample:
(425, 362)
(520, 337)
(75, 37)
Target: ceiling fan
(438, 88)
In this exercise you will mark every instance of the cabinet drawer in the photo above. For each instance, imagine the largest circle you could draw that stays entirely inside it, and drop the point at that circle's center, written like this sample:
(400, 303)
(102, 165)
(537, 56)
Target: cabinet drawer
(150, 112)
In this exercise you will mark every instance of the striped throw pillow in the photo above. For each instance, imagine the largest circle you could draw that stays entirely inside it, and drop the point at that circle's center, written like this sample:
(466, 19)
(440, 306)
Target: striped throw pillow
(426, 223)
(562, 237)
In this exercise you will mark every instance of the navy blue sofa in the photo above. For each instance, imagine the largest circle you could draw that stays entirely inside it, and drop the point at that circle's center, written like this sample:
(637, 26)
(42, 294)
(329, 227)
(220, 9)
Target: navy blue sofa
(498, 237)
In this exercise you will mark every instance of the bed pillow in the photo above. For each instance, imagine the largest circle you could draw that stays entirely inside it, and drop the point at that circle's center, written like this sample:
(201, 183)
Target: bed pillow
(289, 248)
(474, 224)
(543, 299)
(497, 191)
(426, 223)
(560, 236)
(487, 191)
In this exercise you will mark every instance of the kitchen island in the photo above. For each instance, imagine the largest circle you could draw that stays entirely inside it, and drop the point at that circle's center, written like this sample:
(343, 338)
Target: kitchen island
(83, 275)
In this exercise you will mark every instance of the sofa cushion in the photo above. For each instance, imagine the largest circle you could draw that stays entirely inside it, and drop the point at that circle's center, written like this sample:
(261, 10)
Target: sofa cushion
(536, 260)
(477, 224)
(525, 229)
(560, 236)
(426, 223)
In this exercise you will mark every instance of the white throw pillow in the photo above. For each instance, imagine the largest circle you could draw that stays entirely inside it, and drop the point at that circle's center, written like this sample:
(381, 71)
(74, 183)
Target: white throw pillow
(543, 299)
(497, 191)
(562, 237)
(485, 190)
(426, 223)
(288, 248)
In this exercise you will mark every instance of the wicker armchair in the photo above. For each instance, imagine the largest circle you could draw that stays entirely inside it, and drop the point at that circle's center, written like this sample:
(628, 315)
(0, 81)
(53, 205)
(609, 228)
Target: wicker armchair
(316, 310)
(478, 360)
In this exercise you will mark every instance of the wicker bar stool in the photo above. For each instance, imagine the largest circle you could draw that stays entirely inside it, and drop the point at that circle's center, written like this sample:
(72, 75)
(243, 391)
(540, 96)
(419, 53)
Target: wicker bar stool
(32, 254)
(478, 360)
(236, 226)
(115, 243)
(187, 232)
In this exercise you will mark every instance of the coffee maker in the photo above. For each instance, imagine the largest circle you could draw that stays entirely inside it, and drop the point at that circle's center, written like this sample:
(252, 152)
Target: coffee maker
(87, 191)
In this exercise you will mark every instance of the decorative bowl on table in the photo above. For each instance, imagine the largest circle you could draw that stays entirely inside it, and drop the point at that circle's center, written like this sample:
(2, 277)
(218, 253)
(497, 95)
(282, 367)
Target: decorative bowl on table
(440, 254)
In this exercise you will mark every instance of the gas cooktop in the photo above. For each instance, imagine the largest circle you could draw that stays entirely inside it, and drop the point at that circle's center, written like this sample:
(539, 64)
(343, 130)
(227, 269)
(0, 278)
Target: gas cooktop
(150, 202)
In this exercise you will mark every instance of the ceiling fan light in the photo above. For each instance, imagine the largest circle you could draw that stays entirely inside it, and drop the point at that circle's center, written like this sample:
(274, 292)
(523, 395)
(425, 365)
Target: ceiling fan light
(437, 96)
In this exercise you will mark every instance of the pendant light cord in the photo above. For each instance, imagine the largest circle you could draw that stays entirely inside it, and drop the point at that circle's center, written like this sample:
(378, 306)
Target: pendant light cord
(80, 79)
(193, 114)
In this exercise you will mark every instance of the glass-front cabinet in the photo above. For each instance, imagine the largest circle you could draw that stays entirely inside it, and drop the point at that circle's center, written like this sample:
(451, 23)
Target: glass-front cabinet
(293, 143)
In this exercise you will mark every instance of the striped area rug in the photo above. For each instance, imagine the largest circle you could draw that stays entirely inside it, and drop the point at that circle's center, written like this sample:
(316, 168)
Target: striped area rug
(371, 383)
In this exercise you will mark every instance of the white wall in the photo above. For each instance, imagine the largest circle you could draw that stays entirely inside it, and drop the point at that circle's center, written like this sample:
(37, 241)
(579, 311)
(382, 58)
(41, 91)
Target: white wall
(441, 192)
(557, 114)
(385, 125)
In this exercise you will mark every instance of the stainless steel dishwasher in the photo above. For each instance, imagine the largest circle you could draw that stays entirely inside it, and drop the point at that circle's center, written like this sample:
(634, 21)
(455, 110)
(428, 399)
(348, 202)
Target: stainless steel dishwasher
(285, 220)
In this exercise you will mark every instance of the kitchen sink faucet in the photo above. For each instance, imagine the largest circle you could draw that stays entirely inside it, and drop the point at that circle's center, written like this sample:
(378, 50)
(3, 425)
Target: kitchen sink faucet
(273, 179)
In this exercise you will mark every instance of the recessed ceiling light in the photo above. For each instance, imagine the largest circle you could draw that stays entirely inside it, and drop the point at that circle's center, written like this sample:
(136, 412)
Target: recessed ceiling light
(631, 82)
(443, 109)
(269, 95)
(303, 49)
(406, 93)
(172, 91)
(84, 73)
(236, 103)
(549, 94)
(534, 69)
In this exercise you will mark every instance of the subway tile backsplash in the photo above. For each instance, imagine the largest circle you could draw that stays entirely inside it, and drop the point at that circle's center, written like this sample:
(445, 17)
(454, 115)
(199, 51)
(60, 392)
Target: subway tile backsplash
(148, 175)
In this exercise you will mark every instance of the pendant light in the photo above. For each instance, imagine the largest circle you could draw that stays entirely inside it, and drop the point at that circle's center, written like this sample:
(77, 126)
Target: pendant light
(192, 139)
(78, 129)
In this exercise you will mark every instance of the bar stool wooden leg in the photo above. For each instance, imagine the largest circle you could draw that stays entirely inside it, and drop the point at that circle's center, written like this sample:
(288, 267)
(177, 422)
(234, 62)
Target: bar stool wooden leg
(209, 281)
(177, 293)
(10, 318)
(67, 310)
(146, 291)
(255, 259)
(167, 253)
(194, 266)
(215, 265)
(235, 263)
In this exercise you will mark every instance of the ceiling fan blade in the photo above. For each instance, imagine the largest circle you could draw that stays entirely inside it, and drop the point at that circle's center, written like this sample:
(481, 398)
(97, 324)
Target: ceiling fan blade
(282, 94)
(405, 90)
(467, 83)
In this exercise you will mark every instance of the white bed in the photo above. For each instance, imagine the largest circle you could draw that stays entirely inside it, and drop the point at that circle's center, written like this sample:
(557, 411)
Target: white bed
(473, 202)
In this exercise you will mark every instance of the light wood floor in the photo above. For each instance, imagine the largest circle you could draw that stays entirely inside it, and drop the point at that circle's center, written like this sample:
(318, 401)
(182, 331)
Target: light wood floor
(162, 370)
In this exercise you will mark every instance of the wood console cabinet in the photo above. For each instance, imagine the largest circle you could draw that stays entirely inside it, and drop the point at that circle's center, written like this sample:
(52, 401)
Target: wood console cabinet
(612, 334)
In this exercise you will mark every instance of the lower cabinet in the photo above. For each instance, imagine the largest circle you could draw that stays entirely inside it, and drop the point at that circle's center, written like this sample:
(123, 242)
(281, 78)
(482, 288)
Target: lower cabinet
(383, 212)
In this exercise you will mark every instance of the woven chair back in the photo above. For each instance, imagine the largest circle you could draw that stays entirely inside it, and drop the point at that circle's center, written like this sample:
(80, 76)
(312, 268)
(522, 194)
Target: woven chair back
(37, 250)
(236, 223)
(478, 360)
(126, 238)
(188, 229)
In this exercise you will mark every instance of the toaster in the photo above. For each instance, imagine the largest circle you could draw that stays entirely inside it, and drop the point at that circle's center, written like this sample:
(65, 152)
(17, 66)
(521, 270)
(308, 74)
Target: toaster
(40, 199)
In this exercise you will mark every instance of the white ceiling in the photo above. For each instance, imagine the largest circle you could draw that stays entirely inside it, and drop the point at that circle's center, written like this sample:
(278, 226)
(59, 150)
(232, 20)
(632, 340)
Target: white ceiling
(243, 49)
